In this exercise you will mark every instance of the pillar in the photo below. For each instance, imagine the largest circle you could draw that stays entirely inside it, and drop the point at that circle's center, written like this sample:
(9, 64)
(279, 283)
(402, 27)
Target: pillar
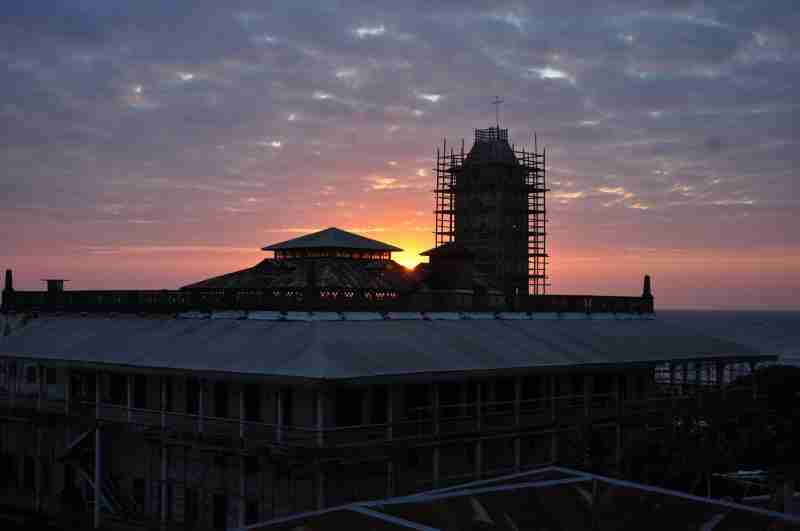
(40, 386)
(163, 490)
(129, 396)
(320, 416)
(241, 412)
(98, 461)
(753, 366)
(685, 382)
(588, 389)
(320, 484)
(554, 433)
(479, 424)
(279, 415)
(721, 378)
(435, 463)
(390, 479)
(201, 405)
(242, 490)
(389, 411)
(67, 390)
(435, 408)
(163, 403)
(517, 401)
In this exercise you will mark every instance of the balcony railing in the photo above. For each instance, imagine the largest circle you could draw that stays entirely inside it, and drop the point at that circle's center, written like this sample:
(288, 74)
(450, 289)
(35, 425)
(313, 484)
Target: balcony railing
(451, 420)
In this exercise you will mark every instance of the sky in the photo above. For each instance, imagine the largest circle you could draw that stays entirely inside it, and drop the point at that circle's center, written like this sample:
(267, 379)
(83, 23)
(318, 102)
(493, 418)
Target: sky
(152, 144)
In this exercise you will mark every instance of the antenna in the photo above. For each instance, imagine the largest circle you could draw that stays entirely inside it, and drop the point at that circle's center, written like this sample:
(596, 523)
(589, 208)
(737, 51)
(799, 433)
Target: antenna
(496, 102)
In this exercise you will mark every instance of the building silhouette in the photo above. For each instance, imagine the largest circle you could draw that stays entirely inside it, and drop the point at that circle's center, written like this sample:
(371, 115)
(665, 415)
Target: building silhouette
(329, 374)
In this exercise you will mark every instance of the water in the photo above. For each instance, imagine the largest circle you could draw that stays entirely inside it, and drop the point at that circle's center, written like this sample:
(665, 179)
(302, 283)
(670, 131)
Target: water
(771, 332)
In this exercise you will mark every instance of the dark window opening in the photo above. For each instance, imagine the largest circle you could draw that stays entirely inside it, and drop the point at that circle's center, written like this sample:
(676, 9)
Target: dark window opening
(220, 511)
(138, 493)
(168, 393)
(191, 507)
(251, 513)
(192, 396)
(252, 402)
(220, 399)
(349, 406)
(140, 391)
(288, 406)
(417, 401)
(118, 390)
(450, 399)
(380, 401)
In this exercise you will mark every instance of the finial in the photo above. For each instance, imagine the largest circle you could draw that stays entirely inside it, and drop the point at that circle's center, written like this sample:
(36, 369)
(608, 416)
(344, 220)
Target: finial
(9, 285)
(496, 102)
(647, 291)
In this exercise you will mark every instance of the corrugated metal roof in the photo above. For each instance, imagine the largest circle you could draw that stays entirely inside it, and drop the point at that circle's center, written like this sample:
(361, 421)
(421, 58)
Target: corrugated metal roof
(349, 349)
(332, 238)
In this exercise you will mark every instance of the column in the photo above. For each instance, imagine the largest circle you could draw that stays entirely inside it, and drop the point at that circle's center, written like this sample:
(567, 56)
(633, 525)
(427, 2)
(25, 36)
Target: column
(320, 416)
(618, 424)
(40, 386)
(588, 388)
(163, 490)
(98, 380)
(720, 370)
(517, 422)
(129, 396)
(753, 366)
(242, 489)
(98, 461)
(698, 371)
(67, 390)
(389, 411)
(435, 407)
(554, 433)
(201, 405)
(685, 382)
(279, 415)
(553, 397)
(320, 484)
(163, 403)
(671, 377)
(241, 412)
(479, 443)
(435, 462)
(390, 480)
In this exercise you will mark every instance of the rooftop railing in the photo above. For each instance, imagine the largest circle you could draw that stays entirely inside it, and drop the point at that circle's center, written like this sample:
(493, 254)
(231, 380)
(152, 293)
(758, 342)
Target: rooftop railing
(292, 299)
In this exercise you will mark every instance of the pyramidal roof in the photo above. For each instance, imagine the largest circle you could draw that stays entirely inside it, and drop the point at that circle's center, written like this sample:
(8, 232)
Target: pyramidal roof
(332, 238)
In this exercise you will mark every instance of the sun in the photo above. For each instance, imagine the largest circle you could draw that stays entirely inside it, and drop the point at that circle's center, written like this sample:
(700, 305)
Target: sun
(407, 259)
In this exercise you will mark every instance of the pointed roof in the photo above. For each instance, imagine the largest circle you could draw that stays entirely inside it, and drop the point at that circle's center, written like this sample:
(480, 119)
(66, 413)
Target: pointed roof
(332, 238)
(449, 250)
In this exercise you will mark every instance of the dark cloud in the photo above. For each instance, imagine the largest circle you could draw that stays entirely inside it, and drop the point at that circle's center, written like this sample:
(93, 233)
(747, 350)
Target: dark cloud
(217, 122)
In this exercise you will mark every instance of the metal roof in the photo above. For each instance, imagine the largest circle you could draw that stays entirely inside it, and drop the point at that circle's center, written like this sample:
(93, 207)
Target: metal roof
(332, 238)
(547, 498)
(350, 348)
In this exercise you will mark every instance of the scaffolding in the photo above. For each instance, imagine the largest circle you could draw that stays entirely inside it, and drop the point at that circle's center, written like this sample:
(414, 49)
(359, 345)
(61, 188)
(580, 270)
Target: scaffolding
(531, 165)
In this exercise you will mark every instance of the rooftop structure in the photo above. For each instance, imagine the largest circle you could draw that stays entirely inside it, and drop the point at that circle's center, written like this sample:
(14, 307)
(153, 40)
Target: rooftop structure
(492, 201)
(333, 243)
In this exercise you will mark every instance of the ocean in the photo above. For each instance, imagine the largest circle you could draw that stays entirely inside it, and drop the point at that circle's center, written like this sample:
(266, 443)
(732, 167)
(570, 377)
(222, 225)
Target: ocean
(771, 332)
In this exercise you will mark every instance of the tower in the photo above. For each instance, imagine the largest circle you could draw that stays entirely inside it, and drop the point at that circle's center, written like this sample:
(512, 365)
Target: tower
(492, 201)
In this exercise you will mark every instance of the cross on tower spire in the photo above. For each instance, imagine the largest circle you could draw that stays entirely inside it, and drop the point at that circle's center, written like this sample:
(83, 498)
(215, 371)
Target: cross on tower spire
(496, 102)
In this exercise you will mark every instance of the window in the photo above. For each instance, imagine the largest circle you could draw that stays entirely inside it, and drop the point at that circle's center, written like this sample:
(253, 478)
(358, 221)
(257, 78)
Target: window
(220, 399)
(191, 507)
(380, 401)
(251, 513)
(118, 390)
(140, 391)
(252, 402)
(192, 396)
(28, 472)
(349, 406)
(138, 493)
(220, 511)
